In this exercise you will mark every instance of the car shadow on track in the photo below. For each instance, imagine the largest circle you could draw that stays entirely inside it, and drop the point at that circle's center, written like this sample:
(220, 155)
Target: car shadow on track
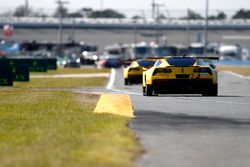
(153, 120)
(195, 95)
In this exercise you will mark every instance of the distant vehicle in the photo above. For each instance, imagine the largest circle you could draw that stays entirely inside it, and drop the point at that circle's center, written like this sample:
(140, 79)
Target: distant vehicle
(230, 52)
(212, 48)
(173, 50)
(109, 61)
(141, 51)
(73, 61)
(181, 75)
(196, 49)
(9, 47)
(89, 53)
(133, 73)
(130, 52)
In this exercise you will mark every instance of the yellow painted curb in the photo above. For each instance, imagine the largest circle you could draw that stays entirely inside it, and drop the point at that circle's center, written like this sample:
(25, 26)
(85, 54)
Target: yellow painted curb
(118, 104)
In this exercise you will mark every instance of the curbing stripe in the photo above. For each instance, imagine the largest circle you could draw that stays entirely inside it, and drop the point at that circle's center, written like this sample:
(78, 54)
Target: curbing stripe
(237, 75)
(118, 104)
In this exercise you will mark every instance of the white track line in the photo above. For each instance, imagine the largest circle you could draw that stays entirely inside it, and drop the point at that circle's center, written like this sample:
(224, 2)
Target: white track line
(111, 79)
(236, 75)
(126, 92)
(111, 84)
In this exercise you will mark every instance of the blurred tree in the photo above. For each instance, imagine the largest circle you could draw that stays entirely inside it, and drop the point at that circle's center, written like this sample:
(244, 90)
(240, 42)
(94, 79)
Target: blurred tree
(220, 16)
(242, 14)
(108, 13)
(75, 15)
(136, 17)
(61, 11)
(192, 15)
(20, 11)
(86, 12)
(161, 17)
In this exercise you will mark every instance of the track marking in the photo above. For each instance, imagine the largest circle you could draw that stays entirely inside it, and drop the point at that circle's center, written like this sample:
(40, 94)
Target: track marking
(126, 92)
(111, 84)
(111, 79)
(236, 75)
(118, 104)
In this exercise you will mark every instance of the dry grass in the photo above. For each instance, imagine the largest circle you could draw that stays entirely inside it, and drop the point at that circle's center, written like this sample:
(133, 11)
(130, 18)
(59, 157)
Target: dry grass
(85, 70)
(59, 129)
(62, 83)
(236, 69)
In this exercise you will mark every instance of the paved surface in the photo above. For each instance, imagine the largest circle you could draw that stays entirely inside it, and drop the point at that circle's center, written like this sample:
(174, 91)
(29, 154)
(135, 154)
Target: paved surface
(193, 131)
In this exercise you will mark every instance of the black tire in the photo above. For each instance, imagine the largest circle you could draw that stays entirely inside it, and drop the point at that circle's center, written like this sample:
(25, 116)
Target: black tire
(148, 90)
(144, 91)
(126, 82)
(211, 91)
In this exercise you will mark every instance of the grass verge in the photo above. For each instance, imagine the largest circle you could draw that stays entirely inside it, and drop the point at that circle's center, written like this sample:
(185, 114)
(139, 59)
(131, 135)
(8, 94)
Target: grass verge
(59, 129)
(72, 71)
(236, 69)
(62, 83)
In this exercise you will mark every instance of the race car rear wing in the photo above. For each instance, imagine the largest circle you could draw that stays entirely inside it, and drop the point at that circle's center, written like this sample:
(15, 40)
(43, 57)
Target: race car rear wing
(196, 57)
(154, 58)
(205, 57)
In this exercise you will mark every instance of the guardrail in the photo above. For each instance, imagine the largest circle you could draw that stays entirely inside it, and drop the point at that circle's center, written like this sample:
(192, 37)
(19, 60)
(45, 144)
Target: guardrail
(85, 23)
(148, 21)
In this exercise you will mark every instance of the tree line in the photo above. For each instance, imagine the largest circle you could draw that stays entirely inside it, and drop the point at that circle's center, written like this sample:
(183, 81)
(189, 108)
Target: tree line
(20, 11)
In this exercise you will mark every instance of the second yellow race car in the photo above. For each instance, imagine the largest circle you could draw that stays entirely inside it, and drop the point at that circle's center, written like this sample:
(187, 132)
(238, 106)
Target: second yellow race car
(133, 73)
(181, 75)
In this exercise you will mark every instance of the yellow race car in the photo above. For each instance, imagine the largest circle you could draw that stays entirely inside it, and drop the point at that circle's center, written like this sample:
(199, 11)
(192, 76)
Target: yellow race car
(133, 73)
(181, 75)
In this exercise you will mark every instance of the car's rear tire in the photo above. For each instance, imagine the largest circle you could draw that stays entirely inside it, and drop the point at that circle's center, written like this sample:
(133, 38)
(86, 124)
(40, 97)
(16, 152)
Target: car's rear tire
(126, 82)
(148, 90)
(211, 91)
(144, 91)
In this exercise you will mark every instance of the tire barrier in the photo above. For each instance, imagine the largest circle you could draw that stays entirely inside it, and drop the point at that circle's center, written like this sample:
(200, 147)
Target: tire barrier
(6, 76)
(18, 69)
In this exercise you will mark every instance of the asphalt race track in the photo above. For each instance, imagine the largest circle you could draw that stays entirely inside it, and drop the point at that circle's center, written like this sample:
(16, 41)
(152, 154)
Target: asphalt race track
(191, 130)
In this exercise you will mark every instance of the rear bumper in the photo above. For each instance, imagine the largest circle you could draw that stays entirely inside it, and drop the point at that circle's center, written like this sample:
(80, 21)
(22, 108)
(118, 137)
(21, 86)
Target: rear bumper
(181, 86)
(135, 79)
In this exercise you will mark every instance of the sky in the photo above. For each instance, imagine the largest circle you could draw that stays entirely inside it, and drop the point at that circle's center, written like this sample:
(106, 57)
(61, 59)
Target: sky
(132, 4)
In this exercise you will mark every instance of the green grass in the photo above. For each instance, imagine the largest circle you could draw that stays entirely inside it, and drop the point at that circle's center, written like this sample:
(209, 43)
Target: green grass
(62, 83)
(86, 70)
(237, 69)
(59, 129)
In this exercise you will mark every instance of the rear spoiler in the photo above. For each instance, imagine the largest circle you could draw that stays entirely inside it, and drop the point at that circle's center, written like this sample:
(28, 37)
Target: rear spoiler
(206, 57)
(154, 58)
(196, 57)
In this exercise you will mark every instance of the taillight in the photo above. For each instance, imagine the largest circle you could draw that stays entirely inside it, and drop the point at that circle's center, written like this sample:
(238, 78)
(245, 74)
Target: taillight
(162, 70)
(202, 70)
